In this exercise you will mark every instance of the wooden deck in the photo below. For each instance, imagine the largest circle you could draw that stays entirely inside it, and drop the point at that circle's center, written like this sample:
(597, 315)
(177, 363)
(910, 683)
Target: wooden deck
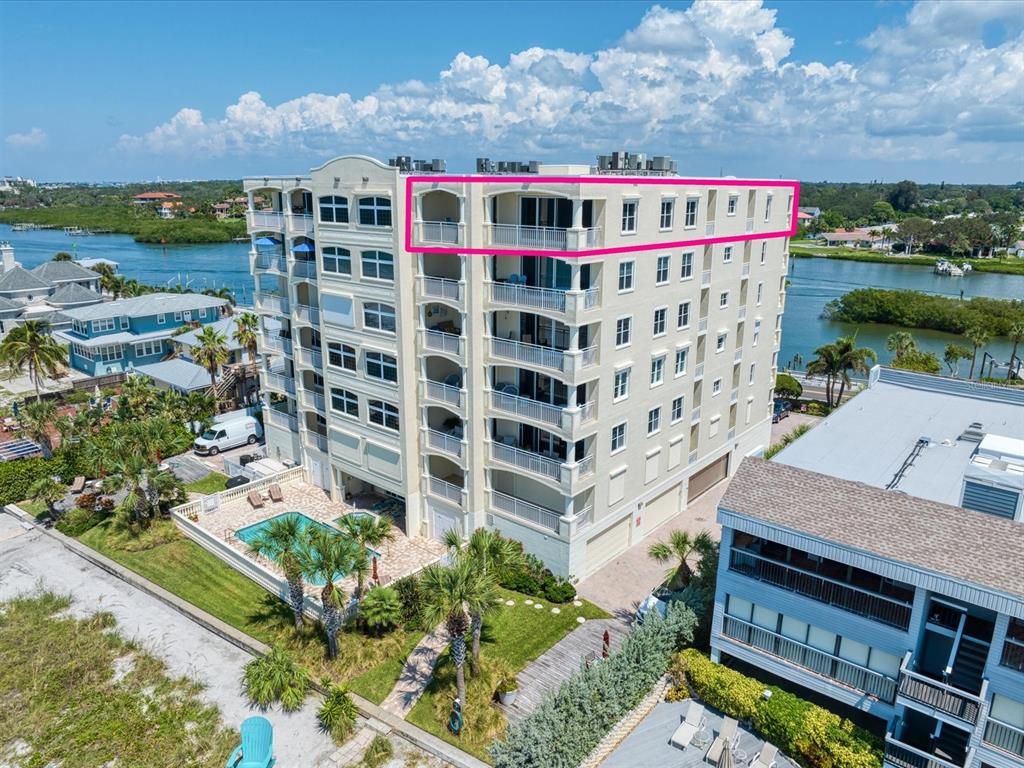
(551, 669)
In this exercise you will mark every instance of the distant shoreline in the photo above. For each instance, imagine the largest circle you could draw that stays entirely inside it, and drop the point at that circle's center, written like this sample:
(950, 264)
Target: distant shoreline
(1009, 266)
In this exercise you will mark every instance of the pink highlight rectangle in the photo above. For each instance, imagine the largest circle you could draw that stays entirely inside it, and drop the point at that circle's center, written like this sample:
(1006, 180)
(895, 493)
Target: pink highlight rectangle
(653, 181)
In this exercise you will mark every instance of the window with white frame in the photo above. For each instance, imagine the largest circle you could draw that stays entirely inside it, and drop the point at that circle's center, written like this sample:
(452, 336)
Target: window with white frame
(344, 402)
(202, 315)
(716, 387)
(677, 409)
(625, 276)
(82, 351)
(691, 212)
(682, 356)
(667, 208)
(380, 317)
(161, 319)
(723, 300)
(661, 273)
(381, 366)
(124, 323)
(618, 437)
(337, 260)
(620, 388)
(683, 315)
(629, 216)
(768, 208)
(375, 211)
(383, 414)
(653, 421)
(79, 327)
(378, 265)
(334, 209)
(753, 368)
(110, 353)
(686, 271)
(730, 209)
(660, 315)
(764, 251)
(341, 355)
(720, 345)
(713, 426)
(727, 254)
(106, 324)
(657, 370)
(757, 332)
(177, 317)
(147, 348)
(760, 293)
(623, 331)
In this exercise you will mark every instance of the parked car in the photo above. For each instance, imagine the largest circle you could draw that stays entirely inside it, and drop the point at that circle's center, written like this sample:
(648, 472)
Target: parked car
(780, 410)
(223, 435)
(658, 600)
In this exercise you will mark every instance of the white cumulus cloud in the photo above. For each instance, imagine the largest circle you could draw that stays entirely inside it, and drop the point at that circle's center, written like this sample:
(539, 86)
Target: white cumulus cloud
(33, 139)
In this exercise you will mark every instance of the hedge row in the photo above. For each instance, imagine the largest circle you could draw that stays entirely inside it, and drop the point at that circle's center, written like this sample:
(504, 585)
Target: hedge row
(806, 732)
(18, 475)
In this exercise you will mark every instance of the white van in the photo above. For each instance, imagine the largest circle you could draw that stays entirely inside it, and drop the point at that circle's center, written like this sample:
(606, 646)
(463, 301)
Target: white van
(228, 434)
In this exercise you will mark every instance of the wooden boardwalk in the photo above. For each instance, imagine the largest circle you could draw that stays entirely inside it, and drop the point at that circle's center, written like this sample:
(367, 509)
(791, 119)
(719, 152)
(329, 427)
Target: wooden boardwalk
(551, 669)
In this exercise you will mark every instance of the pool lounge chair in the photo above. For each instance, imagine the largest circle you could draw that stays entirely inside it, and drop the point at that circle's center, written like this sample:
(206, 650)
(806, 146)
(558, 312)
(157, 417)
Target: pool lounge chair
(275, 492)
(255, 499)
(766, 757)
(693, 721)
(723, 741)
(257, 747)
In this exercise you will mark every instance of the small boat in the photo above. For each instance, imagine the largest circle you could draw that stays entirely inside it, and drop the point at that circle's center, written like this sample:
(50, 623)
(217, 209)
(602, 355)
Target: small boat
(966, 267)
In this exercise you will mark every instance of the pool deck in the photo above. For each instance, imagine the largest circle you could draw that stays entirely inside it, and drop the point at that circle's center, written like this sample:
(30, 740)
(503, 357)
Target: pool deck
(399, 557)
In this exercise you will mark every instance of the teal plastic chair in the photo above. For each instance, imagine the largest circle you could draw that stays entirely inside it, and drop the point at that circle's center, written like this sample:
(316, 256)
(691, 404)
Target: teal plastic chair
(257, 747)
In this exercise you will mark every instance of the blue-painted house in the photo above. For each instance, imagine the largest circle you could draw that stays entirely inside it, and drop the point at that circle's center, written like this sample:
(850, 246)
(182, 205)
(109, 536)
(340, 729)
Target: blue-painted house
(879, 562)
(125, 334)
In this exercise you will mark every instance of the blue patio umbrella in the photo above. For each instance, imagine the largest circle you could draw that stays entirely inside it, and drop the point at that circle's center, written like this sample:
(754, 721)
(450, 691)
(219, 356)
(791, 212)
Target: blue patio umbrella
(267, 241)
(303, 248)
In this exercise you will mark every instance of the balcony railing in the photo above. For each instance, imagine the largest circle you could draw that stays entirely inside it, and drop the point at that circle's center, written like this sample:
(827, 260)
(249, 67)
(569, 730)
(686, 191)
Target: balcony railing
(935, 695)
(270, 261)
(446, 490)
(550, 299)
(1004, 736)
(443, 393)
(527, 408)
(444, 442)
(742, 314)
(313, 400)
(734, 396)
(265, 220)
(698, 371)
(311, 357)
(695, 415)
(301, 223)
(316, 440)
(272, 302)
(821, 588)
(441, 288)
(692, 457)
(900, 755)
(524, 510)
(593, 236)
(591, 297)
(304, 269)
(439, 232)
(705, 278)
(702, 325)
(737, 356)
(1013, 655)
(745, 270)
(588, 357)
(307, 314)
(281, 419)
(534, 354)
(276, 344)
(280, 382)
(709, 228)
(527, 460)
(812, 659)
(519, 236)
(443, 342)
(750, 226)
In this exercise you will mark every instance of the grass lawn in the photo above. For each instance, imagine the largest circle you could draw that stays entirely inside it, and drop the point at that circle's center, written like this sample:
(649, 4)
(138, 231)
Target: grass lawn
(212, 483)
(35, 508)
(369, 665)
(512, 637)
(78, 695)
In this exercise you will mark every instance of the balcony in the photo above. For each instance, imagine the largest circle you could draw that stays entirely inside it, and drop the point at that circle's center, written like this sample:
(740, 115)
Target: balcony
(745, 271)
(818, 662)
(705, 278)
(311, 358)
(741, 315)
(737, 356)
(524, 510)
(443, 393)
(695, 415)
(272, 302)
(532, 354)
(456, 494)
(934, 695)
(316, 440)
(702, 325)
(821, 588)
(277, 344)
(442, 232)
(440, 341)
(313, 399)
(279, 383)
(734, 396)
(749, 226)
(709, 228)
(281, 419)
(300, 224)
(265, 220)
(565, 474)
(564, 418)
(1008, 738)
(271, 261)
(900, 755)
(553, 300)
(307, 314)
(305, 270)
(441, 288)
(445, 442)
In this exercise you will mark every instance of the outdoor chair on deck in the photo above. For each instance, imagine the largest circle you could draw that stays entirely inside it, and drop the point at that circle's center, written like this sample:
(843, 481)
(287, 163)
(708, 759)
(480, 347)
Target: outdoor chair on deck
(693, 721)
(766, 757)
(78, 484)
(724, 741)
(255, 499)
(257, 747)
(276, 494)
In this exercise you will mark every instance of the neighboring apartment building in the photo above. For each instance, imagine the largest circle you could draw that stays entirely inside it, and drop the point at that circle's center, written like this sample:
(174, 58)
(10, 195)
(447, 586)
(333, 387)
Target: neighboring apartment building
(879, 561)
(132, 333)
(529, 351)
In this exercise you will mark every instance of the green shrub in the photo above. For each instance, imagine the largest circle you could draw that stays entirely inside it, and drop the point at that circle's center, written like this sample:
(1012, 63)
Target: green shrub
(810, 734)
(788, 438)
(338, 714)
(381, 608)
(533, 578)
(276, 677)
(378, 753)
(77, 397)
(77, 521)
(916, 360)
(788, 387)
(408, 589)
(17, 476)
(559, 591)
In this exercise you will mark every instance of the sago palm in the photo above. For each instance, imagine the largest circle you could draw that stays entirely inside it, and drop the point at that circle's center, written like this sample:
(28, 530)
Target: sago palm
(369, 532)
(281, 542)
(29, 348)
(325, 556)
(680, 549)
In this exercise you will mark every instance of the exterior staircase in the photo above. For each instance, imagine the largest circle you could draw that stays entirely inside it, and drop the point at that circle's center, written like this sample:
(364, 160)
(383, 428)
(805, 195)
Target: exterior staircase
(969, 665)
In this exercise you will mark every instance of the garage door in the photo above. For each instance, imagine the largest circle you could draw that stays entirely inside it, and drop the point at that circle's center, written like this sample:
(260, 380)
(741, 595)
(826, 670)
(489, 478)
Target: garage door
(608, 544)
(660, 509)
(712, 474)
(443, 521)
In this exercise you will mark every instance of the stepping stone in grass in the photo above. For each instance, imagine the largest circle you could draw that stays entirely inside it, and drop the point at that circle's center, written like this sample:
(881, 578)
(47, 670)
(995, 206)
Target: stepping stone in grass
(580, 620)
(578, 603)
(556, 611)
(528, 601)
(537, 605)
(510, 602)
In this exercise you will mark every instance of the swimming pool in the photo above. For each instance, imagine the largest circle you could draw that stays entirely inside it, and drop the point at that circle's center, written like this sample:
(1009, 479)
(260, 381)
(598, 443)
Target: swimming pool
(250, 532)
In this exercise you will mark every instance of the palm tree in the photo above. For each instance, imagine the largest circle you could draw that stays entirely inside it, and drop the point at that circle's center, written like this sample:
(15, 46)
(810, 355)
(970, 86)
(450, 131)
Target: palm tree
(370, 533)
(211, 353)
(953, 355)
(37, 419)
(137, 395)
(852, 358)
(247, 329)
(325, 556)
(158, 438)
(825, 364)
(170, 405)
(281, 542)
(450, 595)
(199, 408)
(900, 343)
(115, 285)
(978, 337)
(1016, 335)
(679, 549)
(30, 348)
(490, 553)
(48, 491)
(221, 293)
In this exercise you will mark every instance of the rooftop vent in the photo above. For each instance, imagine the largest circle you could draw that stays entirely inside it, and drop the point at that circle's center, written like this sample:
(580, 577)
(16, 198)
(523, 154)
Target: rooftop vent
(406, 164)
(635, 164)
(974, 433)
(486, 165)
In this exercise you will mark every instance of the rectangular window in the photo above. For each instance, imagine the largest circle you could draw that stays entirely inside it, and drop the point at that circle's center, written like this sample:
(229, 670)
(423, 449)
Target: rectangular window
(768, 208)
(111, 353)
(677, 409)
(691, 212)
(124, 323)
(381, 366)
(723, 300)
(618, 437)
(757, 332)
(334, 209)
(667, 206)
(653, 421)
(686, 272)
(345, 402)
(727, 254)
(337, 260)
(380, 317)
(720, 346)
(625, 276)
(683, 316)
(341, 355)
(623, 331)
(731, 208)
(177, 317)
(750, 380)
(383, 414)
(660, 316)
(657, 370)
(147, 348)
(106, 324)
(621, 386)
(661, 275)
(378, 265)
(716, 386)
(682, 356)
(760, 293)
(375, 211)
(764, 251)
(629, 217)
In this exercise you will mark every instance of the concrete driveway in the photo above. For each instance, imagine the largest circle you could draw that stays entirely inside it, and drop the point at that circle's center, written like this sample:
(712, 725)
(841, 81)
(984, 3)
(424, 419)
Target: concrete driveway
(214, 463)
(791, 422)
(31, 561)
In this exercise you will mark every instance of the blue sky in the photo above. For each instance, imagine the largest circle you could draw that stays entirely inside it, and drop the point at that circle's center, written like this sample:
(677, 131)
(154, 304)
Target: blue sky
(809, 90)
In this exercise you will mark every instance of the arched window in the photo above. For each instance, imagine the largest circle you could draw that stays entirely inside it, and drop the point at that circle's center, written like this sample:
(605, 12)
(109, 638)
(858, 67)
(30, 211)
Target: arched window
(337, 260)
(375, 211)
(380, 317)
(381, 366)
(378, 265)
(334, 209)
(345, 402)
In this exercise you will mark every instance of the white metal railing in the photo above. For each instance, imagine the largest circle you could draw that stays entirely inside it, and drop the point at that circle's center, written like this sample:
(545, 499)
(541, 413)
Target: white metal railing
(439, 232)
(307, 314)
(585, 466)
(527, 408)
(702, 325)
(527, 460)
(742, 315)
(280, 382)
(272, 302)
(444, 442)
(282, 419)
(698, 371)
(444, 393)
(591, 297)
(316, 440)
(550, 299)
(588, 357)
(306, 269)
(584, 518)
(705, 278)
(731, 434)
(525, 510)
(695, 415)
(446, 490)
(313, 400)
(709, 228)
(750, 226)
(587, 412)
(1004, 736)
(266, 219)
(276, 344)
(737, 356)
(534, 354)
(593, 236)
(523, 236)
(301, 222)
(271, 261)
(311, 357)
(441, 287)
(443, 342)
(734, 396)
(745, 270)
(692, 457)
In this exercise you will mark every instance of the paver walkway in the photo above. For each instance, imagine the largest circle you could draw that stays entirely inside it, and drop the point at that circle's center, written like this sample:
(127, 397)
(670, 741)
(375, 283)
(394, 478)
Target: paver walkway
(419, 669)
